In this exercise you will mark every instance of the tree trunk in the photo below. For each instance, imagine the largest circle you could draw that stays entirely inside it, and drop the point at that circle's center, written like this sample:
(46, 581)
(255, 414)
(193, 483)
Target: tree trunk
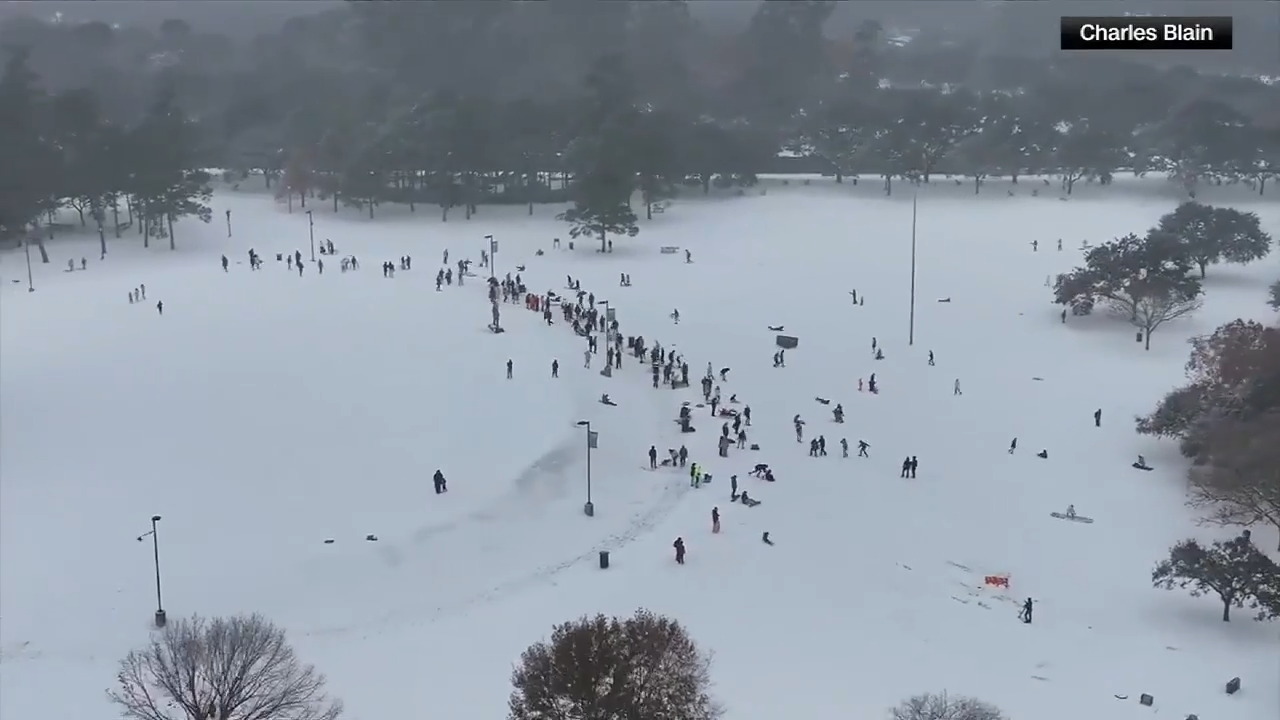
(603, 242)
(302, 197)
(115, 217)
(1203, 264)
(1147, 338)
(128, 206)
(648, 211)
(839, 176)
(530, 208)
(80, 212)
(102, 238)
(977, 184)
(172, 246)
(335, 201)
(1226, 610)
(1262, 185)
(888, 185)
(370, 209)
(706, 183)
(444, 213)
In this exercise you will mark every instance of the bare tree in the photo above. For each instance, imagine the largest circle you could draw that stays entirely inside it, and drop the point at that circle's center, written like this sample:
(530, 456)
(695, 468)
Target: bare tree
(1157, 304)
(646, 666)
(1240, 482)
(941, 706)
(237, 668)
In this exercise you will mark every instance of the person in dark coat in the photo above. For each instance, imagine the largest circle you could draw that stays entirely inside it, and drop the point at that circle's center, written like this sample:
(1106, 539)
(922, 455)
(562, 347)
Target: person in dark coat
(1025, 614)
(679, 546)
(715, 519)
(653, 458)
(440, 483)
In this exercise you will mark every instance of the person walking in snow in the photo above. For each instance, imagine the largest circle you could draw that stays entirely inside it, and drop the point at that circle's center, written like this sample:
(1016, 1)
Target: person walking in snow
(955, 389)
(586, 358)
(509, 368)
(1025, 613)
(862, 449)
(822, 445)
(225, 263)
(844, 447)
(915, 463)
(930, 358)
(742, 439)
(906, 467)
(1013, 446)
(160, 307)
(715, 519)
(733, 487)
(746, 414)
(679, 546)
(683, 455)
(653, 457)
(1097, 417)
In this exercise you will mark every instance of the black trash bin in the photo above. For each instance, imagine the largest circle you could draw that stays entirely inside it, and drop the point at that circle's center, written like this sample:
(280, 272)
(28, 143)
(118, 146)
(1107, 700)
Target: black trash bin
(604, 559)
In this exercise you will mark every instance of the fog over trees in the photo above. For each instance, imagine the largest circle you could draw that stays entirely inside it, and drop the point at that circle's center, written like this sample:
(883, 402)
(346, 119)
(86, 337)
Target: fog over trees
(114, 108)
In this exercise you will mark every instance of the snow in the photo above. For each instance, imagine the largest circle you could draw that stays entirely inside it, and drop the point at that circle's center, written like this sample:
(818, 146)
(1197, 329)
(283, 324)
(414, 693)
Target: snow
(265, 412)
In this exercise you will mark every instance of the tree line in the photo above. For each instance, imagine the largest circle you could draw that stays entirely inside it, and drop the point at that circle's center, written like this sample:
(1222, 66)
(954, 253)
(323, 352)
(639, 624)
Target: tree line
(591, 668)
(461, 104)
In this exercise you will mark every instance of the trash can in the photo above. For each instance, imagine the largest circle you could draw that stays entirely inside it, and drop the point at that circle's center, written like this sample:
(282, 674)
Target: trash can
(604, 559)
(279, 257)
(1138, 336)
(589, 509)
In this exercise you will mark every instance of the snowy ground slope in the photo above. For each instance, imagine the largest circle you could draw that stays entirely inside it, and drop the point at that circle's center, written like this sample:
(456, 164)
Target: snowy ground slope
(265, 412)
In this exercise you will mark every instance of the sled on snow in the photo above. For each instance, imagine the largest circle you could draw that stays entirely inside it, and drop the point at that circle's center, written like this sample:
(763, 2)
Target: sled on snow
(1073, 518)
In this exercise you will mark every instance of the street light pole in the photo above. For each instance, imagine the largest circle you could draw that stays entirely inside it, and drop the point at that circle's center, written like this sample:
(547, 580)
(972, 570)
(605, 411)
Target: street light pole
(589, 509)
(911, 324)
(493, 251)
(155, 549)
(31, 286)
(311, 232)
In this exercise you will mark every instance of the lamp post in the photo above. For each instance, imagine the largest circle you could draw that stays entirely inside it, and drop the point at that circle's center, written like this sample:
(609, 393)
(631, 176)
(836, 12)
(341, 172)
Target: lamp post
(155, 548)
(589, 509)
(311, 233)
(493, 251)
(911, 323)
(26, 245)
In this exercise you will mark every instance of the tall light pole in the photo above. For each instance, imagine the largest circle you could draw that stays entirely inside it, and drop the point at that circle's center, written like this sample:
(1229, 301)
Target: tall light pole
(493, 251)
(31, 286)
(608, 321)
(911, 324)
(311, 233)
(589, 509)
(155, 548)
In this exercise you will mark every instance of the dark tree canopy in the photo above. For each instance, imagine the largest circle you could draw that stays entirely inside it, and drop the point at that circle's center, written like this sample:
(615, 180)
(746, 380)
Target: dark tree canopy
(115, 113)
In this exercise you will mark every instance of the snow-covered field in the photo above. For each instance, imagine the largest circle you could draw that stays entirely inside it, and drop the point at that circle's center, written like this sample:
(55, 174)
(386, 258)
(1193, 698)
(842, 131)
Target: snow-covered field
(264, 412)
